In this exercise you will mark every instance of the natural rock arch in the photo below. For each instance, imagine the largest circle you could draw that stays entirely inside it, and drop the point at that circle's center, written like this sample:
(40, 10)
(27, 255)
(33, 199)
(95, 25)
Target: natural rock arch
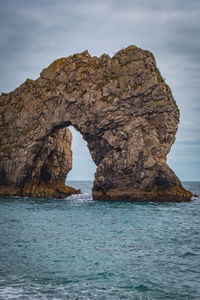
(120, 105)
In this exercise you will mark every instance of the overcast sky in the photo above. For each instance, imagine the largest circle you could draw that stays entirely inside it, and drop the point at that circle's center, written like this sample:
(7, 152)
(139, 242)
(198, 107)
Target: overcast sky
(33, 33)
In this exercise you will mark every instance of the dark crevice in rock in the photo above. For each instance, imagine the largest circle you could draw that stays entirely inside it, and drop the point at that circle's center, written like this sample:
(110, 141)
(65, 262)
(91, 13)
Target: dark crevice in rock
(3, 180)
(45, 175)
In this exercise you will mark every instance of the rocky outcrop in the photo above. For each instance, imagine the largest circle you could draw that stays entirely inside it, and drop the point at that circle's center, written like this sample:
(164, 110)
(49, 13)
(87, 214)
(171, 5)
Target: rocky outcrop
(120, 105)
(40, 172)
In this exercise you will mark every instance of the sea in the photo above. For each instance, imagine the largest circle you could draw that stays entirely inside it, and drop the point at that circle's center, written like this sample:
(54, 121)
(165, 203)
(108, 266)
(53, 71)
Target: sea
(78, 248)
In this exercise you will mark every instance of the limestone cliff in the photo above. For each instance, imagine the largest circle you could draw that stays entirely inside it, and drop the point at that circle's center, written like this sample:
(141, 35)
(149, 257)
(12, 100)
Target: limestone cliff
(120, 105)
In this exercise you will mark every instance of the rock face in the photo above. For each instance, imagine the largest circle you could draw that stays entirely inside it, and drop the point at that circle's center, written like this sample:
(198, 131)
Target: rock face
(120, 105)
(40, 172)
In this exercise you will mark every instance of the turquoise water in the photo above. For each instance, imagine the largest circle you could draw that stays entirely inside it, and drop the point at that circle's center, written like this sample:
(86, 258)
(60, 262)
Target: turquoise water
(83, 249)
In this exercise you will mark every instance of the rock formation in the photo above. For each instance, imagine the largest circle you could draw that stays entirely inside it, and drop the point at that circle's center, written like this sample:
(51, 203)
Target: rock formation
(120, 105)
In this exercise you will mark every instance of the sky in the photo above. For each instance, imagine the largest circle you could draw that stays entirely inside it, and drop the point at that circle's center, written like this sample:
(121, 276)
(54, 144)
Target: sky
(33, 33)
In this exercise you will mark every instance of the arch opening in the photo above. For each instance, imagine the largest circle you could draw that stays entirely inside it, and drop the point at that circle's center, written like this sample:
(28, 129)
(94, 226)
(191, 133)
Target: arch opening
(83, 167)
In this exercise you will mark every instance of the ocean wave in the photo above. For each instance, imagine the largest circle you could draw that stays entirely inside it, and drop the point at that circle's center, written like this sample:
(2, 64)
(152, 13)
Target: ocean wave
(80, 197)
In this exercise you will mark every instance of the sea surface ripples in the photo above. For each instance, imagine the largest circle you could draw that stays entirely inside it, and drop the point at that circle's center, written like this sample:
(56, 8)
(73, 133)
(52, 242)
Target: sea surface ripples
(78, 248)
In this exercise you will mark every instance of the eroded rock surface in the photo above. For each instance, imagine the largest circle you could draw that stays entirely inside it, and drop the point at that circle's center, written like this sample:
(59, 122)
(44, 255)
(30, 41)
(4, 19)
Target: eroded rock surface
(120, 105)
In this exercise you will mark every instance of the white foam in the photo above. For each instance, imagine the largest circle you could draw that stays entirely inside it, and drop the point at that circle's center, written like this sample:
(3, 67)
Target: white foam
(80, 197)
